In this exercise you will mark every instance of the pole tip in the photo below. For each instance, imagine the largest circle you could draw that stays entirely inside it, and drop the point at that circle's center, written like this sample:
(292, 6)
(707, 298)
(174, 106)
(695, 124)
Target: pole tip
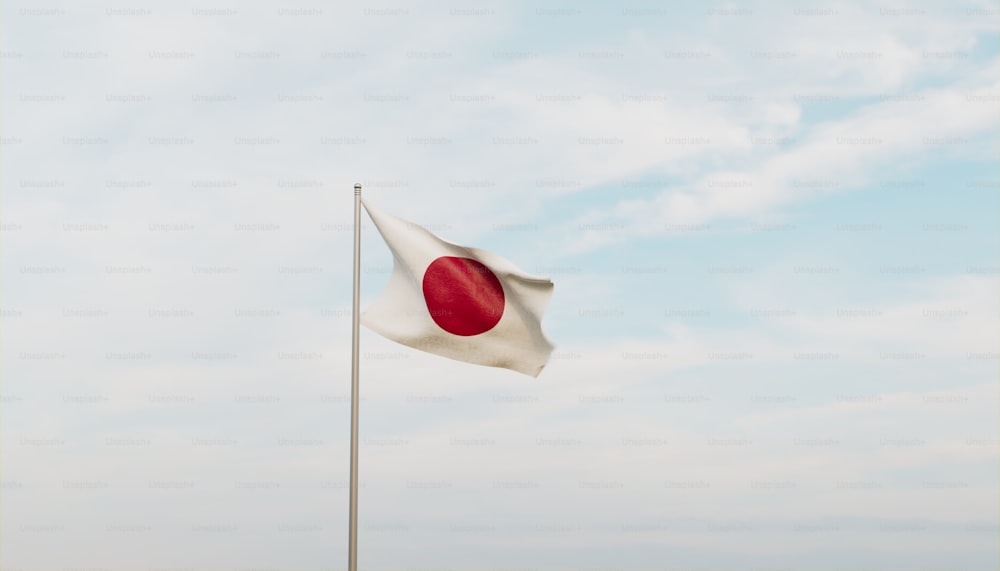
(357, 186)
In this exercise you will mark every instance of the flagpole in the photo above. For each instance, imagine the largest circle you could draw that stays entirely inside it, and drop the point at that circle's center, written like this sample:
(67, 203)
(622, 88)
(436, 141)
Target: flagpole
(352, 548)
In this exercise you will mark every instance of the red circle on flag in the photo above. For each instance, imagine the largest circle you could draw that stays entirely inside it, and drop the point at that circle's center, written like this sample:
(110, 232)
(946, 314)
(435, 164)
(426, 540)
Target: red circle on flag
(463, 296)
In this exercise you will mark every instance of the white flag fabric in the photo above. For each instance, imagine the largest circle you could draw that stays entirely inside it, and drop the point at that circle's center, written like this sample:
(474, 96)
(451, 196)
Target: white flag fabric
(462, 303)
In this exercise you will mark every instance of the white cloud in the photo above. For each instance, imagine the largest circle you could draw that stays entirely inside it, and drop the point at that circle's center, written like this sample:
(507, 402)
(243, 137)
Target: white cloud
(622, 429)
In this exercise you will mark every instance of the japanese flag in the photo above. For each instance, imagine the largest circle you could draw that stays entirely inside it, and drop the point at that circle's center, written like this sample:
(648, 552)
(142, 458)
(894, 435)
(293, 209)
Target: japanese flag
(462, 303)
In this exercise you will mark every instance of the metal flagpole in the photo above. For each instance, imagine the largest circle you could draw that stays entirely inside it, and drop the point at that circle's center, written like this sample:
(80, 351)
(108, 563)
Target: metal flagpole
(352, 548)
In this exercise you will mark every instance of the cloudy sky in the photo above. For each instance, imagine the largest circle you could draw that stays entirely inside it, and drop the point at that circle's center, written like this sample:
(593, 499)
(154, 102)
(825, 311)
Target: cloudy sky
(772, 228)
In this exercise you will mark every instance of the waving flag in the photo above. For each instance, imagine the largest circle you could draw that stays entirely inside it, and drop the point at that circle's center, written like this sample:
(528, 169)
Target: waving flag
(462, 303)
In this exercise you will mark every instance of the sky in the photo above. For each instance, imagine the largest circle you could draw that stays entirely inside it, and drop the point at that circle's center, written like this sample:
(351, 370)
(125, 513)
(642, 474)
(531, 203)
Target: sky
(772, 229)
